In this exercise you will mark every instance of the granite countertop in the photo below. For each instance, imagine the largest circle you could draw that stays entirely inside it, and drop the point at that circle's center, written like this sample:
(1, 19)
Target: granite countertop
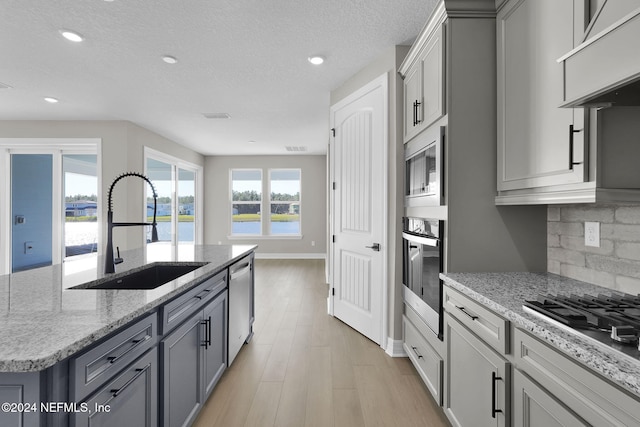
(504, 293)
(42, 321)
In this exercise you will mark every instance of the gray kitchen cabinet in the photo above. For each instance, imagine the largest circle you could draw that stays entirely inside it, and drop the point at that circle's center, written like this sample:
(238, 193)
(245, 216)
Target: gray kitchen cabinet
(534, 407)
(539, 144)
(19, 389)
(477, 379)
(131, 399)
(193, 362)
(423, 74)
(578, 389)
(426, 359)
(240, 305)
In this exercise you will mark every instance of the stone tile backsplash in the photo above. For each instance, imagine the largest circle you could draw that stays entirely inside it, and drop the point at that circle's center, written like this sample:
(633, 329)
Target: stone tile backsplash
(615, 264)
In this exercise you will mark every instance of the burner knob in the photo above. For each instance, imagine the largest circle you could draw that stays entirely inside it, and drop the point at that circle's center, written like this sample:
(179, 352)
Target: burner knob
(624, 334)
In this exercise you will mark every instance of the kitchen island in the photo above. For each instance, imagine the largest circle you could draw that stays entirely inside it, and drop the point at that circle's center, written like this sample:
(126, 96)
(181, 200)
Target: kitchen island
(66, 346)
(547, 372)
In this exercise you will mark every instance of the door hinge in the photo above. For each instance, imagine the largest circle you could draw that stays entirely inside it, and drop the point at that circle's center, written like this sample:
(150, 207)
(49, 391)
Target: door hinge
(333, 238)
(333, 292)
(334, 185)
(333, 132)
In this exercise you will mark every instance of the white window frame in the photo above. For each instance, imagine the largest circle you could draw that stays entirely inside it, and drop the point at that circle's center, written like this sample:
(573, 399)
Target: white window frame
(299, 202)
(177, 163)
(265, 207)
(232, 202)
(57, 147)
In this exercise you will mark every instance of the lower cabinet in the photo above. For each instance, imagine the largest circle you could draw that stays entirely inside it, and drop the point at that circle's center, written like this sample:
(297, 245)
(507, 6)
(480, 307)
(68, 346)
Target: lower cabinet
(477, 379)
(534, 407)
(194, 356)
(131, 399)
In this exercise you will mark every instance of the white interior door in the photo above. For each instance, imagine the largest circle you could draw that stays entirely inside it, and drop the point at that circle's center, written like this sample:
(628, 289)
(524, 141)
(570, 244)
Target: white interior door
(358, 157)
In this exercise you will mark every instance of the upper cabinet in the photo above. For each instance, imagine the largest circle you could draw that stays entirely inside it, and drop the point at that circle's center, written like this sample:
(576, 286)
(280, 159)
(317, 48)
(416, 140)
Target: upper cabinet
(539, 144)
(423, 74)
(548, 151)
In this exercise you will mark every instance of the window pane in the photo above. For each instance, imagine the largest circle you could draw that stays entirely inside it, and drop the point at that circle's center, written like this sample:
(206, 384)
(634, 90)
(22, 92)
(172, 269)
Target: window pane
(246, 190)
(81, 204)
(285, 201)
(160, 174)
(186, 206)
(246, 218)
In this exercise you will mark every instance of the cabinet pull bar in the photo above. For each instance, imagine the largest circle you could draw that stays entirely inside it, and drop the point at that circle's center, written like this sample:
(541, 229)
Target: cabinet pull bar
(117, 391)
(462, 309)
(114, 359)
(418, 121)
(494, 378)
(415, 112)
(571, 132)
(415, 350)
(209, 333)
(205, 342)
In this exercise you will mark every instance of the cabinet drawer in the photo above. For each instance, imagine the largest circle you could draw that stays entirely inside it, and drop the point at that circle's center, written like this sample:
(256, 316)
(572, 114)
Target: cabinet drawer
(92, 368)
(581, 390)
(427, 362)
(130, 399)
(181, 308)
(490, 327)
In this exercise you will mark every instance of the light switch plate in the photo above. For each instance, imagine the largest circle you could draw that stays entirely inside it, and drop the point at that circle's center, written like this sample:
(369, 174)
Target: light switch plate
(592, 234)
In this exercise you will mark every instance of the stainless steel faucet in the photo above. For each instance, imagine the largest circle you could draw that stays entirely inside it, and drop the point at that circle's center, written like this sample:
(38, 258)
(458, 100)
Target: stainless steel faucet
(109, 261)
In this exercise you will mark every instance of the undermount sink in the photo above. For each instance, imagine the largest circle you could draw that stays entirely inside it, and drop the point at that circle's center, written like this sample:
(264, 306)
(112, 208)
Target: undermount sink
(150, 277)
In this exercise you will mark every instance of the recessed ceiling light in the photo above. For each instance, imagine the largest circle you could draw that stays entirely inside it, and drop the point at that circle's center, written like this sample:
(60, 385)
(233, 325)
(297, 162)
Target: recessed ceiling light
(251, 141)
(316, 60)
(51, 100)
(71, 36)
(170, 59)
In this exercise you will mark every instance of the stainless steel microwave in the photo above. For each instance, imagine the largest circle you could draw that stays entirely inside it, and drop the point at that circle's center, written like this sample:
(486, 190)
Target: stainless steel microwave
(424, 168)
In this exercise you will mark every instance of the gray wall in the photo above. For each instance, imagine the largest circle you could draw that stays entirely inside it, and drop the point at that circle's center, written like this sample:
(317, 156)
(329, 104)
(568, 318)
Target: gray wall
(389, 62)
(31, 197)
(615, 264)
(122, 150)
(217, 221)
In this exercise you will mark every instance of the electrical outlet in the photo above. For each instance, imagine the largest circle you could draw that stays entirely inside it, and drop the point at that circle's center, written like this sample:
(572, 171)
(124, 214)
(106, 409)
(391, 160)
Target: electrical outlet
(313, 243)
(592, 234)
(28, 247)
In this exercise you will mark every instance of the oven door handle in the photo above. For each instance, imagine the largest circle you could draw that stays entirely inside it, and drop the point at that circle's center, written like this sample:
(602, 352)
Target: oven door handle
(424, 240)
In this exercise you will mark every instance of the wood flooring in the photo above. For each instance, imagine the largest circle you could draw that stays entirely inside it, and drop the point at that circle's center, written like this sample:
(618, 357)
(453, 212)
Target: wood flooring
(306, 368)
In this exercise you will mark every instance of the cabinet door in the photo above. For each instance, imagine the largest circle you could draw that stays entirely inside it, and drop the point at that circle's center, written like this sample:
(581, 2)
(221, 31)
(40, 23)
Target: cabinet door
(215, 350)
(131, 399)
(477, 380)
(534, 407)
(432, 107)
(182, 372)
(424, 87)
(412, 96)
(20, 389)
(536, 147)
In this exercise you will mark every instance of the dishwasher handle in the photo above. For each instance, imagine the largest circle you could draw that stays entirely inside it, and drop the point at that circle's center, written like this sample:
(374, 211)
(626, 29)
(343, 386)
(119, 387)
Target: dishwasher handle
(240, 270)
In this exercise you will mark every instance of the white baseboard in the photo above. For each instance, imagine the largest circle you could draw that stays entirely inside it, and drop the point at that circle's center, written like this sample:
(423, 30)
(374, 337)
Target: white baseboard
(290, 255)
(395, 348)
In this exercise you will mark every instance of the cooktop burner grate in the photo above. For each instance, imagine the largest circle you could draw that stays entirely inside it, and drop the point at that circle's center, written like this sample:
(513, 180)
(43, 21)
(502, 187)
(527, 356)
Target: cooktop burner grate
(611, 320)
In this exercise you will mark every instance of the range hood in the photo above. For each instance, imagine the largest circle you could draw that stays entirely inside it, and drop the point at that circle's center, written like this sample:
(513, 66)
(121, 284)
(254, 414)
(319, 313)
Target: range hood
(604, 70)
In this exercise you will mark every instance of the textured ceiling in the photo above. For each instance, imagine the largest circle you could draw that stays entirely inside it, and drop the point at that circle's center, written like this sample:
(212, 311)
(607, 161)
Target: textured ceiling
(247, 58)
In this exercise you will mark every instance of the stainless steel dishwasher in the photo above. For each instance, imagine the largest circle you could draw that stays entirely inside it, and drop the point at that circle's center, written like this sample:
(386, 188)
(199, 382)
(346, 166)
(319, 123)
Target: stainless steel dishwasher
(239, 305)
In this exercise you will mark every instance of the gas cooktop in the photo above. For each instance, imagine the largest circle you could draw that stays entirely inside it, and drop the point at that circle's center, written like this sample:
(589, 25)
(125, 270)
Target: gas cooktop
(611, 320)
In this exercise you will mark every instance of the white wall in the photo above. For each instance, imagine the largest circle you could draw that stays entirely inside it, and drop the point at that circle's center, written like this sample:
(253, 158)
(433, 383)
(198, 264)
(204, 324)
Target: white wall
(217, 221)
(122, 151)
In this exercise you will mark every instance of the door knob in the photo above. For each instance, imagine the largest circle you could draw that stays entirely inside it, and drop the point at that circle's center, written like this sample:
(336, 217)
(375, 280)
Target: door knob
(375, 247)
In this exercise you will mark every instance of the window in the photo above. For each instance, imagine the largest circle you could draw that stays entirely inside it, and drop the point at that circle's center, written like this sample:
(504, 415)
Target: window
(283, 203)
(246, 202)
(177, 186)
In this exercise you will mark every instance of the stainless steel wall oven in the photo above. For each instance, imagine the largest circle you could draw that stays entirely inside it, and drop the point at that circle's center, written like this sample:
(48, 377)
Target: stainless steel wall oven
(422, 265)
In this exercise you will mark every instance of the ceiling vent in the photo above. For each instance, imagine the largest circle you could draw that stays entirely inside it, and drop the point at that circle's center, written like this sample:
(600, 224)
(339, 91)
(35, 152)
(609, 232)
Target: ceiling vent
(217, 115)
(4, 86)
(296, 149)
